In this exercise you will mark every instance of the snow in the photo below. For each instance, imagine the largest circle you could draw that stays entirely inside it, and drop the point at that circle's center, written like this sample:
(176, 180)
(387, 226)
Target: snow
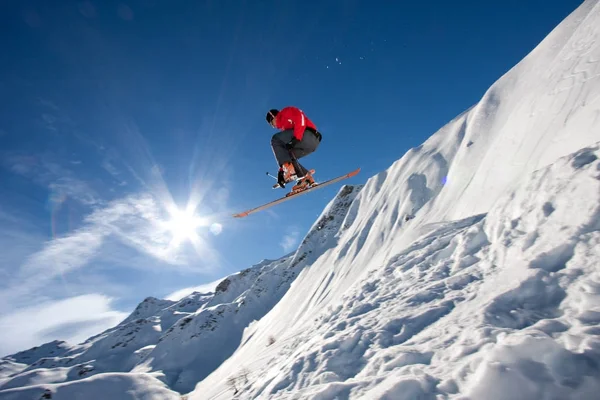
(469, 269)
(239, 300)
(9, 368)
(469, 247)
(51, 349)
(117, 386)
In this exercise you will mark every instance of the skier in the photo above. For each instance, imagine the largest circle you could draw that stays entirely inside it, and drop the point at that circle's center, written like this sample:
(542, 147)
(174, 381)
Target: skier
(298, 138)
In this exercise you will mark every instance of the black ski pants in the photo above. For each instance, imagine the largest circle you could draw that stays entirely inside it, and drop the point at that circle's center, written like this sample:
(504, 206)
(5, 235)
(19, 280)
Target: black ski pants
(309, 144)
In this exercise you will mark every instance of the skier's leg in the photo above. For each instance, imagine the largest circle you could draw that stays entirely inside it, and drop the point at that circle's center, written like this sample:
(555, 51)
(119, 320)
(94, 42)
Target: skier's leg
(300, 169)
(283, 157)
(306, 146)
(309, 143)
(278, 142)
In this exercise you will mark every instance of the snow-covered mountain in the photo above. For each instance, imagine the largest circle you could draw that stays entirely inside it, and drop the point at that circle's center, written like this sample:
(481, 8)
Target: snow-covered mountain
(165, 336)
(469, 269)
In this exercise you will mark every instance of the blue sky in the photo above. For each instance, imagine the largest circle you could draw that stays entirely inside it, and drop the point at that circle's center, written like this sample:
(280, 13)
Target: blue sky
(114, 114)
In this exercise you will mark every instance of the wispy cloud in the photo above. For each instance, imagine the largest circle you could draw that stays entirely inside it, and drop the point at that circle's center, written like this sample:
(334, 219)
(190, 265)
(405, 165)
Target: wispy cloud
(128, 232)
(109, 164)
(50, 122)
(290, 239)
(73, 319)
(64, 254)
(48, 104)
(136, 222)
(53, 118)
(53, 176)
(110, 168)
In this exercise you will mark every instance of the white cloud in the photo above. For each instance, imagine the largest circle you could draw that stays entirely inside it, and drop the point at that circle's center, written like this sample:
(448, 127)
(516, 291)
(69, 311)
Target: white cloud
(74, 188)
(73, 319)
(137, 222)
(64, 254)
(20, 167)
(290, 240)
(181, 293)
(108, 164)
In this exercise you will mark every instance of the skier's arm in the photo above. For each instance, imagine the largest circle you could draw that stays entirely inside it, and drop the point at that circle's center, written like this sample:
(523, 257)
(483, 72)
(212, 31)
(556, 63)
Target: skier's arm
(297, 118)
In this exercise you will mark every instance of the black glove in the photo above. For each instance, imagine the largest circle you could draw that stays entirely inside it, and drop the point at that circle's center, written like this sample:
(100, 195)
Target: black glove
(280, 179)
(292, 143)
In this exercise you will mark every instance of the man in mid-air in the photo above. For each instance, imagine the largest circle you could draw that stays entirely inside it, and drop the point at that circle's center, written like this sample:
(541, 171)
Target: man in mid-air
(298, 138)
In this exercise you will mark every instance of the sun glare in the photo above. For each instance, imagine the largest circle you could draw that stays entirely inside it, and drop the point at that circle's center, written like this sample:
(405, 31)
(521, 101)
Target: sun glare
(184, 225)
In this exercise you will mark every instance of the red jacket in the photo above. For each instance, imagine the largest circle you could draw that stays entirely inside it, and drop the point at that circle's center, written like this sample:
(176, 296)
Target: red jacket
(292, 117)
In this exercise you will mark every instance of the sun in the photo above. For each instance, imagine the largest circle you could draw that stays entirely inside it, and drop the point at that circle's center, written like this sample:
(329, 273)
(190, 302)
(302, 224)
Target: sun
(184, 225)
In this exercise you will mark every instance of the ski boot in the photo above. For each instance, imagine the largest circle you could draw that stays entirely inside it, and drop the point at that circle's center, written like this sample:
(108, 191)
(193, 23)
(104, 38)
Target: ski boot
(303, 183)
(286, 174)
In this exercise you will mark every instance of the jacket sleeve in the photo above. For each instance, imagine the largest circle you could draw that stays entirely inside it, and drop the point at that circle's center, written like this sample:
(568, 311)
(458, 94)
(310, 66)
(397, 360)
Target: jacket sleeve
(297, 117)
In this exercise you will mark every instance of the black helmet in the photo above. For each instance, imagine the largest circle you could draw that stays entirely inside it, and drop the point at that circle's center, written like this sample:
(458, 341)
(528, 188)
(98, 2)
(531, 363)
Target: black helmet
(271, 115)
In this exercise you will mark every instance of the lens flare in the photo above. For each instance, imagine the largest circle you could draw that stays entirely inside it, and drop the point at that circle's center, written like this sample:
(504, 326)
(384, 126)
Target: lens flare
(184, 224)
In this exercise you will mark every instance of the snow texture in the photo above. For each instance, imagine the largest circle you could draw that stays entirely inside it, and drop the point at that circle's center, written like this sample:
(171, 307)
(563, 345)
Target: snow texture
(114, 386)
(469, 269)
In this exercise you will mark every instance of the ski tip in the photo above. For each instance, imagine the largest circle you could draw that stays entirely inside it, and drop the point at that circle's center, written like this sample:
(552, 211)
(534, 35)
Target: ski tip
(355, 172)
(241, 215)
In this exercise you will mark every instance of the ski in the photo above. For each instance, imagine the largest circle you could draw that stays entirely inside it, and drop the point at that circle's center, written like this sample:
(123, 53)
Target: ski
(290, 196)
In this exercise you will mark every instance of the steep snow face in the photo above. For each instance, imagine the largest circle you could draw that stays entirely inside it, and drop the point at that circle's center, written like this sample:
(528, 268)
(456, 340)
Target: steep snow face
(424, 225)
(543, 108)
(196, 345)
(503, 305)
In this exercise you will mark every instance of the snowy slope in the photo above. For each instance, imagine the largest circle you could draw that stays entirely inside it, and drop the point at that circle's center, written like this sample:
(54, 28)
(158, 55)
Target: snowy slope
(198, 344)
(117, 349)
(55, 348)
(114, 386)
(163, 335)
(9, 368)
(350, 324)
(477, 307)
